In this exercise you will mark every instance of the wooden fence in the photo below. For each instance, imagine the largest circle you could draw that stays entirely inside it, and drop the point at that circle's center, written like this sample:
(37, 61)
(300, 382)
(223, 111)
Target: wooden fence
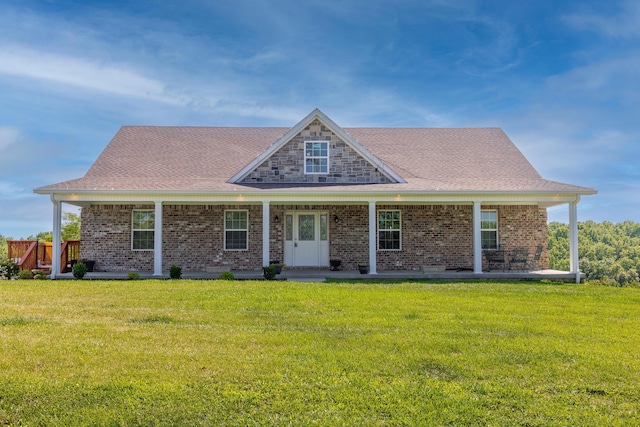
(33, 255)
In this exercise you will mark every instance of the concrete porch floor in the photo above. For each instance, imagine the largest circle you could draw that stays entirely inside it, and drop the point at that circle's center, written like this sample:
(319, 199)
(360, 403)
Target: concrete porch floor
(319, 275)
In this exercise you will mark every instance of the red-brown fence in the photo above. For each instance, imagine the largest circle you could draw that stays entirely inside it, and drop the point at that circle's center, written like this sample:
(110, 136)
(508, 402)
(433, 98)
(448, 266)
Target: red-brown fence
(34, 255)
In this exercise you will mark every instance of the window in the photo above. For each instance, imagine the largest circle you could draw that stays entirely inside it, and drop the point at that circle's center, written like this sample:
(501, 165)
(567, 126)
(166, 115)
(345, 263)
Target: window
(236, 230)
(316, 157)
(389, 230)
(489, 229)
(142, 226)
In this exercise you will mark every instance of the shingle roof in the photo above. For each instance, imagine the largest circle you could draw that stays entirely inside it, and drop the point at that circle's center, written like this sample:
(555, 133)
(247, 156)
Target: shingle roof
(164, 158)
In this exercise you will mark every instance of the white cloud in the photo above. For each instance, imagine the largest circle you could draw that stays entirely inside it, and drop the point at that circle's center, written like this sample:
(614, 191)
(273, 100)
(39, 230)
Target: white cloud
(84, 73)
(623, 24)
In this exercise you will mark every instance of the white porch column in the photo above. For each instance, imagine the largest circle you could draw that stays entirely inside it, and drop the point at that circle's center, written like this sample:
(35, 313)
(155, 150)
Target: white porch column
(265, 232)
(55, 245)
(157, 240)
(573, 239)
(477, 238)
(372, 238)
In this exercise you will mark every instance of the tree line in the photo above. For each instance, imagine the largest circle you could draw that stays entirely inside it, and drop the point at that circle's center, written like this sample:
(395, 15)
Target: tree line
(608, 253)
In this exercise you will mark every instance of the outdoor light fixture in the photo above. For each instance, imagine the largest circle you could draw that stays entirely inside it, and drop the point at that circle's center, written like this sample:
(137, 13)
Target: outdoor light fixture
(276, 219)
(336, 219)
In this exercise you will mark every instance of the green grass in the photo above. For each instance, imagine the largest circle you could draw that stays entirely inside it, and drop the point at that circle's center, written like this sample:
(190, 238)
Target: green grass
(185, 352)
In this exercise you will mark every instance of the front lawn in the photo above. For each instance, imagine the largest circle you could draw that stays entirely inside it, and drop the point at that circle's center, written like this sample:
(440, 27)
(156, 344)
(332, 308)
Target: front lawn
(184, 352)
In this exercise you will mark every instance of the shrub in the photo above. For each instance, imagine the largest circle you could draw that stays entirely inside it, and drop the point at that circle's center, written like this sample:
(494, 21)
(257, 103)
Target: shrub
(269, 272)
(227, 275)
(175, 272)
(79, 270)
(39, 275)
(132, 275)
(25, 275)
(8, 270)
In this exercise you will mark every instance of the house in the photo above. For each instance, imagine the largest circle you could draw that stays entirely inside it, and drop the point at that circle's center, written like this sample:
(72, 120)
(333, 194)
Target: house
(238, 198)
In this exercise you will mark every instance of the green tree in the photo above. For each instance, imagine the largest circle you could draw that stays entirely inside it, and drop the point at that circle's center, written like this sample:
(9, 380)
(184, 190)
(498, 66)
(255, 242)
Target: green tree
(70, 229)
(70, 226)
(4, 249)
(608, 252)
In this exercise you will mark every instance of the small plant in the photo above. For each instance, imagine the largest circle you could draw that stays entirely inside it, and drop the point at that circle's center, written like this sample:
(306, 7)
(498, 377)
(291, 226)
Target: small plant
(279, 266)
(25, 275)
(227, 275)
(175, 272)
(269, 272)
(39, 275)
(79, 270)
(132, 275)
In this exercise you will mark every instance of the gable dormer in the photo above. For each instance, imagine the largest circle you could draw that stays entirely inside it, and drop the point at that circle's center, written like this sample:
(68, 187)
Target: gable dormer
(316, 151)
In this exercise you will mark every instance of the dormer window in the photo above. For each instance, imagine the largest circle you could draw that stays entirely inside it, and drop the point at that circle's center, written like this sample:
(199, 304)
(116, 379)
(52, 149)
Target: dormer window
(316, 157)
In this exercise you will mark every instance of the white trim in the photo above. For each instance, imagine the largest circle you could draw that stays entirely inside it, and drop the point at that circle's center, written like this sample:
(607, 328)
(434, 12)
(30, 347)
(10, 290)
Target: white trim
(56, 238)
(574, 265)
(477, 237)
(266, 216)
(373, 231)
(133, 211)
(157, 239)
(387, 229)
(334, 195)
(327, 157)
(490, 229)
(355, 145)
(224, 228)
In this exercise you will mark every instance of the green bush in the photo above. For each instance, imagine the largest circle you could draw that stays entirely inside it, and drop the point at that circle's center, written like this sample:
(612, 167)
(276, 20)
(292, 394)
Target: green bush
(132, 275)
(25, 275)
(8, 270)
(79, 270)
(175, 272)
(269, 272)
(227, 275)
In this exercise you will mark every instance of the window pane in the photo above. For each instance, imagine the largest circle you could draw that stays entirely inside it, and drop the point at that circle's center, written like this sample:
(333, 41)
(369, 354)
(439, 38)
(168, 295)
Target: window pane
(143, 220)
(389, 227)
(306, 227)
(143, 240)
(236, 230)
(316, 155)
(289, 227)
(236, 240)
(323, 227)
(389, 240)
(489, 240)
(488, 219)
(236, 220)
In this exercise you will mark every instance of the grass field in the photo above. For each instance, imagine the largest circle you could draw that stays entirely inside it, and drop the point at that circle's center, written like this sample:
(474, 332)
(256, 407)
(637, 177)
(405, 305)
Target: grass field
(195, 353)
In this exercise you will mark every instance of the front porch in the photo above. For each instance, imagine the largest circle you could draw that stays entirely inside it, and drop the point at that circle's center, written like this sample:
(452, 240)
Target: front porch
(320, 275)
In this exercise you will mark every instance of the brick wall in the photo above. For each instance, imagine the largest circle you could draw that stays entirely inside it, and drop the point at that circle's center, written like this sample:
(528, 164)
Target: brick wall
(287, 164)
(106, 238)
(193, 236)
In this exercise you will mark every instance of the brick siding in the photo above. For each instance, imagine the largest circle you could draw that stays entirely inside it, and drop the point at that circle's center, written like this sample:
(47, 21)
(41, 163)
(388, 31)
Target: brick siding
(193, 236)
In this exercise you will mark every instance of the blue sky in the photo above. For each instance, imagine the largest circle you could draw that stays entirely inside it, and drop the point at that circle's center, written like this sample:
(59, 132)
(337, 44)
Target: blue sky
(559, 76)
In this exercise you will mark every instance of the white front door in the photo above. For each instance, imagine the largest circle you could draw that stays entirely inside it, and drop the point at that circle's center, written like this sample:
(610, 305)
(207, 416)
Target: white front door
(306, 239)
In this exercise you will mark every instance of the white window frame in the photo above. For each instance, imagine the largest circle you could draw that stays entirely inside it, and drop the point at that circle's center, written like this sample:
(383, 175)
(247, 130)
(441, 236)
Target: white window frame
(133, 229)
(399, 230)
(306, 157)
(482, 229)
(246, 230)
